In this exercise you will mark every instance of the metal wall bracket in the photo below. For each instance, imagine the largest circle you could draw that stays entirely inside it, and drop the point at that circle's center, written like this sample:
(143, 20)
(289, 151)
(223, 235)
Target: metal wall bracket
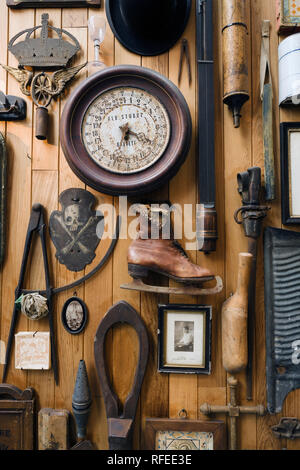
(288, 428)
(12, 108)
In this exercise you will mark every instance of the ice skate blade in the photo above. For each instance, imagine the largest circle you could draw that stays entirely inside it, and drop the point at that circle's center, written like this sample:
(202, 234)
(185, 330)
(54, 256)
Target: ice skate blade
(139, 285)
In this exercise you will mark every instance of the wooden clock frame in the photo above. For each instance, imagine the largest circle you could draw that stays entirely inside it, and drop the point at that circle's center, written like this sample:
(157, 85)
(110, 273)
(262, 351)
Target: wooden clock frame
(146, 180)
(52, 3)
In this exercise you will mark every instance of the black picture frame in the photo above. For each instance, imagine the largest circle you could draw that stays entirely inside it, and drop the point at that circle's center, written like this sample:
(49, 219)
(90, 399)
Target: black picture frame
(182, 310)
(85, 315)
(288, 217)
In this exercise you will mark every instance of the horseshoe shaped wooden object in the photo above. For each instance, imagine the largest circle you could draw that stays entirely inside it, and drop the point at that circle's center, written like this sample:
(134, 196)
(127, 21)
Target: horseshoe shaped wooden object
(120, 419)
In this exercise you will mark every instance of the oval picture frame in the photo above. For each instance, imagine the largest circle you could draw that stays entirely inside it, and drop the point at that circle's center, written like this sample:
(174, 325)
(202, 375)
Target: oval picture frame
(64, 319)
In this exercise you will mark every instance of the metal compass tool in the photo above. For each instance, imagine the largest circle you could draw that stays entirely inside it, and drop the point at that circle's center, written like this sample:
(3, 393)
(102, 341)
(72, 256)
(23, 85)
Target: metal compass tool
(37, 225)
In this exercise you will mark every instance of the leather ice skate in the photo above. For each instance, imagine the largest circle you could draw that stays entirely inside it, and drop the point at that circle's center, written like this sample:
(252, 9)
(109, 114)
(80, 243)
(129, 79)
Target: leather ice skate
(166, 257)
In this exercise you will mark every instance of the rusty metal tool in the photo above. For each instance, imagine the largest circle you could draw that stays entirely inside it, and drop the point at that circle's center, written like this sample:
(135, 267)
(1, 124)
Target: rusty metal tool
(253, 213)
(287, 428)
(185, 53)
(266, 93)
(233, 410)
(12, 108)
(36, 225)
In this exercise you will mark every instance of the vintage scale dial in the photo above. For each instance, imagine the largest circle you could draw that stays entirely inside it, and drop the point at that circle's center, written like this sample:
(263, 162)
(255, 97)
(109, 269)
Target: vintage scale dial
(126, 130)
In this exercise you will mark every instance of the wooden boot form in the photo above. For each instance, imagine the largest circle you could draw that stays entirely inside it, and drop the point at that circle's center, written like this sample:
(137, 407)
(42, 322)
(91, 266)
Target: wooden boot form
(234, 320)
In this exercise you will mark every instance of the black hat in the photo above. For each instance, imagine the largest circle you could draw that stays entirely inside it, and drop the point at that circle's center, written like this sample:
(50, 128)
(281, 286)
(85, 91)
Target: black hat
(148, 27)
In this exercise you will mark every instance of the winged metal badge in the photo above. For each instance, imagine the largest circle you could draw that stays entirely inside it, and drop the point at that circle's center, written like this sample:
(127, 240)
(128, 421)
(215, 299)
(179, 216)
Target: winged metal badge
(23, 76)
(62, 77)
(43, 87)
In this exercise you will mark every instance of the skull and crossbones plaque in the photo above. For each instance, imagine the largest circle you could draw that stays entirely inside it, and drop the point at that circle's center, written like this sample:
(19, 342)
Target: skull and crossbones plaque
(76, 230)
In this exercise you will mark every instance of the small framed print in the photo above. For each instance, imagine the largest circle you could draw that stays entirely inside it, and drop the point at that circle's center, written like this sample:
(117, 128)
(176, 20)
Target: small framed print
(290, 172)
(32, 350)
(74, 315)
(184, 339)
(288, 16)
(184, 435)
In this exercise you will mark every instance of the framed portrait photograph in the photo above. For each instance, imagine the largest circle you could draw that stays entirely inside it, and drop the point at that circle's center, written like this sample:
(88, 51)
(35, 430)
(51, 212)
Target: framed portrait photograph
(184, 339)
(290, 172)
(184, 434)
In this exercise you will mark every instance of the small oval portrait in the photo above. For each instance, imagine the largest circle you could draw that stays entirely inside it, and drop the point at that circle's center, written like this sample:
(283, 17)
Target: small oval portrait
(74, 315)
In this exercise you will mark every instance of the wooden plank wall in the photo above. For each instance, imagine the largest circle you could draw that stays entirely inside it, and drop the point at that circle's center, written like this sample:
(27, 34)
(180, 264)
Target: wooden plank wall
(38, 172)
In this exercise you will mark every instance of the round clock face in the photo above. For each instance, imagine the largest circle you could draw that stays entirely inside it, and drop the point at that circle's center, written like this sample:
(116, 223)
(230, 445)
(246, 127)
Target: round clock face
(126, 130)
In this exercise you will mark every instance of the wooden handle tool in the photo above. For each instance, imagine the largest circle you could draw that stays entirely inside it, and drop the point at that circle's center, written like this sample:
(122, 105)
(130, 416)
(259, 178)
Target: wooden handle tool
(234, 320)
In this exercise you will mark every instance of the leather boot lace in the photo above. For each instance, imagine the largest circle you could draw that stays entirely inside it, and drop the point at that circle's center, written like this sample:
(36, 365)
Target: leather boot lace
(180, 249)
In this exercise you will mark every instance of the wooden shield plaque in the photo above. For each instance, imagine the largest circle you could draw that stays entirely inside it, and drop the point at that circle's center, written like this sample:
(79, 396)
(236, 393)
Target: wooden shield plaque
(16, 418)
(52, 3)
(76, 230)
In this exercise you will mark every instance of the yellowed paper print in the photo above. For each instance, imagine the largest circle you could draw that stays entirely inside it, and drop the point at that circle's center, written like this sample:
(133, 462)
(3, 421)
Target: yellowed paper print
(179, 440)
(32, 350)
